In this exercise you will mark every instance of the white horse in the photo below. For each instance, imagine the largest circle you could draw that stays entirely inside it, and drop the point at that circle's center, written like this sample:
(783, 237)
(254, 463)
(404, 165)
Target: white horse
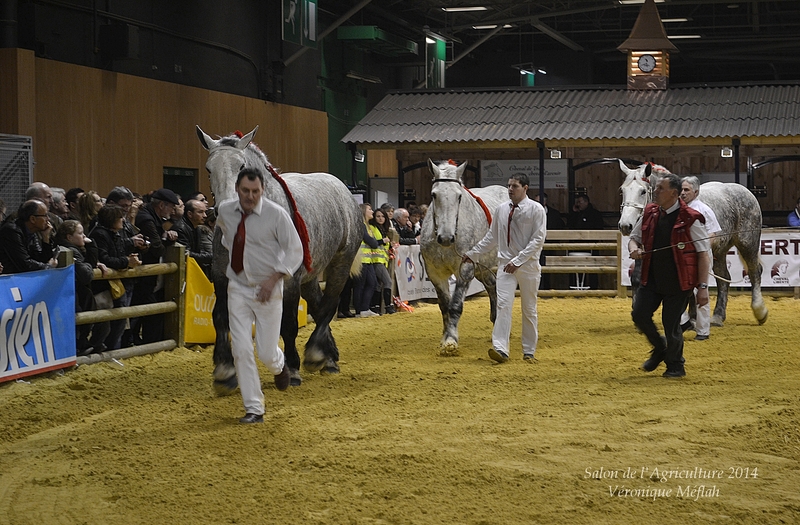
(457, 219)
(331, 248)
(739, 217)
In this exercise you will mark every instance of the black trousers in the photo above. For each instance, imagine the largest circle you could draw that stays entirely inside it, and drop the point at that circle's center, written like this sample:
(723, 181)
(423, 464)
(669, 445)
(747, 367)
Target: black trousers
(669, 348)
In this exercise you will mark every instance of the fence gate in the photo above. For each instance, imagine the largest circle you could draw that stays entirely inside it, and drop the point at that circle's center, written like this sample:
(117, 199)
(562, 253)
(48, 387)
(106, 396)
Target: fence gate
(16, 169)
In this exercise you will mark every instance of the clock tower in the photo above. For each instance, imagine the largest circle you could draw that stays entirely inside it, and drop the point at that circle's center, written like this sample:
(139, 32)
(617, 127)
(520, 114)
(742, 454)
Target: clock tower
(648, 50)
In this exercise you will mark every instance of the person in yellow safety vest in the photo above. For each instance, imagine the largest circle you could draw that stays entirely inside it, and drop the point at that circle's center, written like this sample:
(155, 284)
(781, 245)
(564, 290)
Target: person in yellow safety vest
(366, 281)
(379, 228)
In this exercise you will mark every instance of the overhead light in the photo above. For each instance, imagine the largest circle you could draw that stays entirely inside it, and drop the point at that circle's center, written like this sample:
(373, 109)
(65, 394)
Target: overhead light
(542, 71)
(359, 156)
(683, 37)
(491, 26)
(361, 76)
(673, 20)
(555, 154)
(635, 2)
(525, 72)
(726, 153)
(464, 9)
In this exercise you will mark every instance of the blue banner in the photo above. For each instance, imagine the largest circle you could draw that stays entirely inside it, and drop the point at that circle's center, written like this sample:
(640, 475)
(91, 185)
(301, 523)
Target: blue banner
(37, 327)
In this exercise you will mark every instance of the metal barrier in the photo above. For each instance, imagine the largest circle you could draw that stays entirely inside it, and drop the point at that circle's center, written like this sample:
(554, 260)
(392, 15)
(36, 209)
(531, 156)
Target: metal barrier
(174, 272)
(588, 241)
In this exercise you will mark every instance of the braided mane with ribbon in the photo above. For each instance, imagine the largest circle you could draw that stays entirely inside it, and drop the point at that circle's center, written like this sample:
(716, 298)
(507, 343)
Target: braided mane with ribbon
(478, 199)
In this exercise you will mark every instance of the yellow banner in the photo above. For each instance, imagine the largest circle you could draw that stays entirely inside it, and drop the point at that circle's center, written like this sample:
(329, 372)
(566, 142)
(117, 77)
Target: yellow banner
(200, 299)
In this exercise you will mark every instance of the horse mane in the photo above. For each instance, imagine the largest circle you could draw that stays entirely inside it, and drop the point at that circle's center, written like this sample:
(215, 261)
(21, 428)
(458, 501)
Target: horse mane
(297, 219)
(451, 162)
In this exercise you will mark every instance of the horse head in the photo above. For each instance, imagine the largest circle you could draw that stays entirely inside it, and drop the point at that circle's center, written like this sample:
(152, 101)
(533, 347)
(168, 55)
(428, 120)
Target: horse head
(637, 192)
(226, 157)
(446, 196)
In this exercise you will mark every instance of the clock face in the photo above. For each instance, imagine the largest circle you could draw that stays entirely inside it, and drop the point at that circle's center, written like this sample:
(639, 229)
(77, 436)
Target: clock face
(647, 63)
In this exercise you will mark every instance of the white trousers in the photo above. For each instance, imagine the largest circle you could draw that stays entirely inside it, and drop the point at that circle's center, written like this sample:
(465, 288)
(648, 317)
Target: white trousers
(527, 277)
(702, 325)
(243, 310)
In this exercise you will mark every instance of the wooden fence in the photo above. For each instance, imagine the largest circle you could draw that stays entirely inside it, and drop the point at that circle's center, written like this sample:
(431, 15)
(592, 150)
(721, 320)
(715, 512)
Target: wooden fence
(594, 249)
(173, 307)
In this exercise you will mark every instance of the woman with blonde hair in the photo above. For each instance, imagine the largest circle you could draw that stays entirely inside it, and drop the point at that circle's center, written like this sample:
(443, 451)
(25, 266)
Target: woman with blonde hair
(88, 205)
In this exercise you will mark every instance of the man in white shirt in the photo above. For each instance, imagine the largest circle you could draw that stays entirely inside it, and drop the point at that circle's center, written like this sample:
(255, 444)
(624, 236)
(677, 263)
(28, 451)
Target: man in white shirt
(264, 250)
(518, 232)
(690, 189)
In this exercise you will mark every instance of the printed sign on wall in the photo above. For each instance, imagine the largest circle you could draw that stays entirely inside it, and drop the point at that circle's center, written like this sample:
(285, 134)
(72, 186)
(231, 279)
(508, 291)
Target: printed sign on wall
(499, 171)
(412, 278)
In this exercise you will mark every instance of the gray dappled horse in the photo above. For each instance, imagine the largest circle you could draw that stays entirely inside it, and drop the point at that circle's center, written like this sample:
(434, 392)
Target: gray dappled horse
(333, 221)
(739, 217)
(455, 222)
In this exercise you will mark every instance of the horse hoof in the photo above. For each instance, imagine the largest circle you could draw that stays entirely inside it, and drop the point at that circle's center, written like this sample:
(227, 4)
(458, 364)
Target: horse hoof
(294, 377)
(225, 387)
(331, 367)
(448, 350)
(764, 320)
(313, 366)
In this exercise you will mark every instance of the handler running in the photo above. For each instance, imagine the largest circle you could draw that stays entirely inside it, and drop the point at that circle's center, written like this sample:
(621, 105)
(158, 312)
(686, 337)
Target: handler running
(671, 240)
(265, 249)
(518, 231)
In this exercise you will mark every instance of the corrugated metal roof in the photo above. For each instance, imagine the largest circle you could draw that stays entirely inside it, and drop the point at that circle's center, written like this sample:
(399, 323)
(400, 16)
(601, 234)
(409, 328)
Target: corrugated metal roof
(581, 114)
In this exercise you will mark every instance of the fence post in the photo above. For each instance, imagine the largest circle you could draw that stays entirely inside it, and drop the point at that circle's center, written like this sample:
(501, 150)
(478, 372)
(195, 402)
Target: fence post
(174, 287)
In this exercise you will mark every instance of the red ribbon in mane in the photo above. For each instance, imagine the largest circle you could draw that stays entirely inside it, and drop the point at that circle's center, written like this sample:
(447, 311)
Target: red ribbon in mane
(299, 223)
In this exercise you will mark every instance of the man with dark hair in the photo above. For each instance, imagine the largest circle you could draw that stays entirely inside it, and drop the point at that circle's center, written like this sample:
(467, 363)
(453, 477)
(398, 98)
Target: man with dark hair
(190, 234)
(28, 243)
(672, 242)
(150, 220)
(72, 196)
(517, 232)
(265, 249)
(584, 215)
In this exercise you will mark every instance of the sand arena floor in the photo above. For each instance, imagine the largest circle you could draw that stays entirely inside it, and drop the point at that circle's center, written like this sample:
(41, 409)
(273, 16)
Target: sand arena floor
(405, 436)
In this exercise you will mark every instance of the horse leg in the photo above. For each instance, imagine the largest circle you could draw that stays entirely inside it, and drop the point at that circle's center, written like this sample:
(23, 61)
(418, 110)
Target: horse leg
(321, 353)
(225, 381)
(291, 298)
(489, 282)
(754, 270)
(448, 344)
(721, 269)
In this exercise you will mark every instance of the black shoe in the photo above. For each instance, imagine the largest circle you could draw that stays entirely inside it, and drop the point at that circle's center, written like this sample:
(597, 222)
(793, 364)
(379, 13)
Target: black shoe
(686, 326)
(652, 363)
(283, 380)
(700, 337)
(252, 418)
(390, 309)
(345, 315)
(674, 373)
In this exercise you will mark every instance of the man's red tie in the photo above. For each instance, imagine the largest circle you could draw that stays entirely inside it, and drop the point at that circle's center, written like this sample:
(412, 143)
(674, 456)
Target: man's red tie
(510, 216)
(237, 254)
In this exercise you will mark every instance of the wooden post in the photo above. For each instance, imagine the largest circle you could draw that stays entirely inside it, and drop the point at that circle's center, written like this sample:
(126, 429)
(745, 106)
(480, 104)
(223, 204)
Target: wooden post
(174, 287)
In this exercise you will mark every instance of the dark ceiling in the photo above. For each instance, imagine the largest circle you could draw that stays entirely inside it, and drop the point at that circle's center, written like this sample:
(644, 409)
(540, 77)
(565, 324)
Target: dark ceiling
(576, 41)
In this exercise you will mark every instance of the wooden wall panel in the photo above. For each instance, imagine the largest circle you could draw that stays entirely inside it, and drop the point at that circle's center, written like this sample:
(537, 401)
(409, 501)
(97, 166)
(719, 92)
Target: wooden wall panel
(97, 129)
(382, 163)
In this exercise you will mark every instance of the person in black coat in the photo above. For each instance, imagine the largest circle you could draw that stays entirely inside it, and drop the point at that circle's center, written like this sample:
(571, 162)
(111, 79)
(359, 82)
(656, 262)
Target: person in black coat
(111, 251)
(71, 236)
(28, 243)
(193, 234)
(584, 216)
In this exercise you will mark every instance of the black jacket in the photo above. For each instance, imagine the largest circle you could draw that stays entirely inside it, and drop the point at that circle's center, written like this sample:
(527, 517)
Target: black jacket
(21, 251)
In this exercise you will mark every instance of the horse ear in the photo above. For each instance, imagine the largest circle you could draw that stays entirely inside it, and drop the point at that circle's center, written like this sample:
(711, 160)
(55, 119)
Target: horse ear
(648, 169)
(461, 169)
(245, 141)
(623, 167)
(205, 140)
(433, 168)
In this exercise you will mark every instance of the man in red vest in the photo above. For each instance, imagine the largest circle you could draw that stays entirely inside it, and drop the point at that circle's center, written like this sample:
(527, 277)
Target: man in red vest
(672, 242)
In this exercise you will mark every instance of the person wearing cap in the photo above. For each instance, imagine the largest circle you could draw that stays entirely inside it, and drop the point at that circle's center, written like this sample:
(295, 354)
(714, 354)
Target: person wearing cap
(150, 222)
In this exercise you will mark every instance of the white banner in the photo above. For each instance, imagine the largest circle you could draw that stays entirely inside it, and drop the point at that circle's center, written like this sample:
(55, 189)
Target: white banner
(499, 171)
(780, 258)
(412, 279)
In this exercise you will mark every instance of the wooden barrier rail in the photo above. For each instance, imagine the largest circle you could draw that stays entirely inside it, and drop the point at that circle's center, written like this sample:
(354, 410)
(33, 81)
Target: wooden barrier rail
(584, 240)
(174, 272)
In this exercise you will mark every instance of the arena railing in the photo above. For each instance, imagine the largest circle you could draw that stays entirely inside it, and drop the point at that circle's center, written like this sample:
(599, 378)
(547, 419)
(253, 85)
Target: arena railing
(173, 308)
(591, 242)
